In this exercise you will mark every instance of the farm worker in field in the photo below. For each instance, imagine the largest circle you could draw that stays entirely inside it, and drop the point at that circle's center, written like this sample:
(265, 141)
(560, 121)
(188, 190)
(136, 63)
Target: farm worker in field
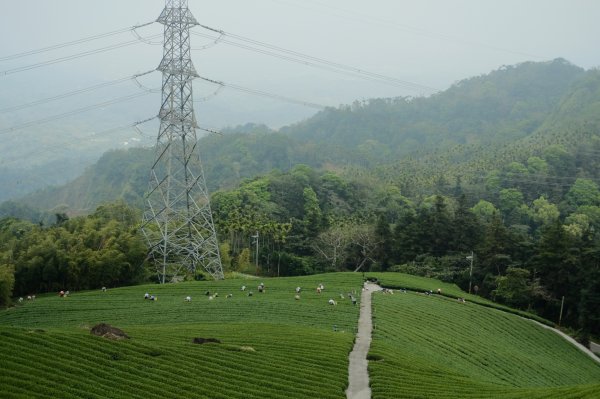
(103, 289)
(61, 294)
(243, 288)
(439, 290)
(318, 290)
(353, 300)
(298, 289)
(321, 286)
(188, 298)
(297, 297)
(146, 296)
(332, 302)
(207, 293)
(261, 287)
(250, 293)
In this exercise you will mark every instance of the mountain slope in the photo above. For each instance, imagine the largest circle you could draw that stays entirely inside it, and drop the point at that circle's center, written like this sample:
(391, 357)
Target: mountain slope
(273, 346)
(467, 130)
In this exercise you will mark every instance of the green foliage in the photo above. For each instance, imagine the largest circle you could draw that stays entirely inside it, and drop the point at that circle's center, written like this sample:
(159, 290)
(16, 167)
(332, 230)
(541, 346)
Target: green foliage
(544, 213)
(461, 132)
(422, 284)
(312, 212)
(583, 192)
(484, 210)
(7, 283)
(272, 346)
(411, 184)
(513, 288)
(437, 347)
(103, 249)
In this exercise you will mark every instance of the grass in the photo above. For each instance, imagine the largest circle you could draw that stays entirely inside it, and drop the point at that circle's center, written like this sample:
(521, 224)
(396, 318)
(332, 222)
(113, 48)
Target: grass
(125, 307)
(432, 346)
(421, 284)
(273, 346)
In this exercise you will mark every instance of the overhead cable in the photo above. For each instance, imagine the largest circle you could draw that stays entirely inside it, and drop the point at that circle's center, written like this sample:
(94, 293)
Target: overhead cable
(75, 92)
(71, 113)
(79, 139)
(211, 44)
(264, 93)
(72, 57)
(361, 17)
(213, 94)
(141, 86)
(74, 42)
(144, 39)
(309, 60)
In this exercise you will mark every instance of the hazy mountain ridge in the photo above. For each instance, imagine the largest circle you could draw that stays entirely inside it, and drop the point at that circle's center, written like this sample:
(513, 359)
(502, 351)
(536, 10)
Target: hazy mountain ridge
(471, 127)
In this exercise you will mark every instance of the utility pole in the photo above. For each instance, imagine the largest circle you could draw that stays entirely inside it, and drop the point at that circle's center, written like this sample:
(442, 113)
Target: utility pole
(562, 304)
(256, 242)
(177, 221)
(470, 271)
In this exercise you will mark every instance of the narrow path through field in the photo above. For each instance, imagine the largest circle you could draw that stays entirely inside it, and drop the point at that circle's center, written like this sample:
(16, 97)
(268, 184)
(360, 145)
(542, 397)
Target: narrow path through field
(358, 375)
(571, 340)
(594, 347)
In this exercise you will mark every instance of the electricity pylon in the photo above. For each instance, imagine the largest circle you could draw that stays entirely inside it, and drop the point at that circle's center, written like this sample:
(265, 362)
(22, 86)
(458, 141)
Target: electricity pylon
(177, 221)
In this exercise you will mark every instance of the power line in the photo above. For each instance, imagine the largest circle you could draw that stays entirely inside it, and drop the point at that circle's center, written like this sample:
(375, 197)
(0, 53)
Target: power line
(213, 94)
(264, 93)
(36, 177)
(80, 139)
(71, 113)
(72, 57)
(305, 59)
(74, 42)
(412, 29)
(72, 93)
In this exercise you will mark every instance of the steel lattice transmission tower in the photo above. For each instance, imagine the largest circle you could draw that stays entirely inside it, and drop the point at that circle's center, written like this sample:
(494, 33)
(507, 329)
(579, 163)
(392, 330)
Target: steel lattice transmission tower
(177, 221)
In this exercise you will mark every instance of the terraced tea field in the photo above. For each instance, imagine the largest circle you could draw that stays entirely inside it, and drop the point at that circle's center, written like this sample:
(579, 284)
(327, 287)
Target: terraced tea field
(273, 346)
(435, 347)
(422, 284)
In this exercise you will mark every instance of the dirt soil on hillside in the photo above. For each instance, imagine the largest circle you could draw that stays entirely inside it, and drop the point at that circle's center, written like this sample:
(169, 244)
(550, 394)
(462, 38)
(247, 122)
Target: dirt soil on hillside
(108, 331)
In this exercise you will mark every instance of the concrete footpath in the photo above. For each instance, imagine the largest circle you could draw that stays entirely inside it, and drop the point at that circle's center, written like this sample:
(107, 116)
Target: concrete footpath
(358, 375)
(571, 340)
(595, 347)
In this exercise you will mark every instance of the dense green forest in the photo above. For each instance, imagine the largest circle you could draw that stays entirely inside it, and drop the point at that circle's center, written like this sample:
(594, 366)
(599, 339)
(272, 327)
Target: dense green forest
(502, 166)
(477, 125)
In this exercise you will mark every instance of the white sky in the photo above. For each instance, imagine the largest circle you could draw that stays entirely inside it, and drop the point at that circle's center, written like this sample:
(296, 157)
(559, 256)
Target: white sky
(430, 42)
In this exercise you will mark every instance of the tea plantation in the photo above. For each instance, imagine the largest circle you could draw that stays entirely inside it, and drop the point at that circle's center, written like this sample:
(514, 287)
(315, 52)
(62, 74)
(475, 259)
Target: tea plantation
(431, 346)
(274, 346)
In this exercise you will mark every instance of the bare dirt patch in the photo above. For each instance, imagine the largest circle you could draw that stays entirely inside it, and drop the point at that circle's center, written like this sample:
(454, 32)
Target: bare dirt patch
(108, 331)
(200, 341)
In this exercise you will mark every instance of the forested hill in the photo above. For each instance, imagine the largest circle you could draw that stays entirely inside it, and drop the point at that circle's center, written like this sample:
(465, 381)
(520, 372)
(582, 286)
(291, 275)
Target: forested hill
(503, 106)
(476, 126)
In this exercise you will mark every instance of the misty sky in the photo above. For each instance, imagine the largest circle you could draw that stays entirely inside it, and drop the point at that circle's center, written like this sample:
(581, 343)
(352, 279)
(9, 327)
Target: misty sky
(429, 42)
